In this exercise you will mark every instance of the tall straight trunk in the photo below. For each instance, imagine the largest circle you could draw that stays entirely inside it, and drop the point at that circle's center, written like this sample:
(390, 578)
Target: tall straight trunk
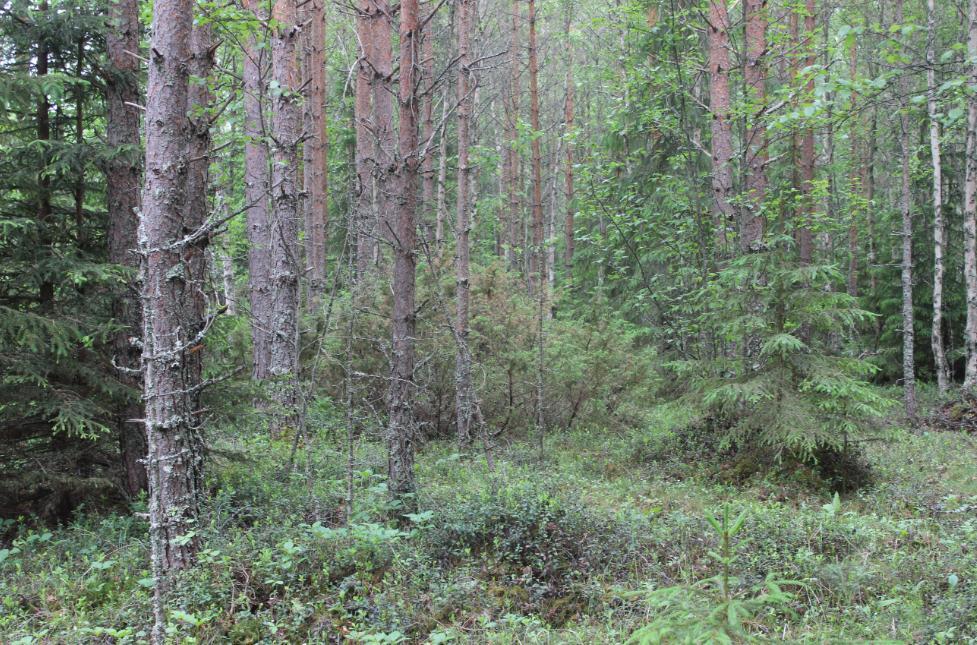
(428, 175)
(463, 358)
(722, 134)
(364, 223)
(856, 183)
(315, 149)
(198, 170)
(122, 175)
(536, 259)
(46, 288)
(256, 198)
(442, 196)
(905, 206)
(380, 56)
(569, 130)
(172, 326)
(400, 428)
(970, 211)
(939, 226)
(512, 162)
(755, 75)
(806, 158)
(285, 133)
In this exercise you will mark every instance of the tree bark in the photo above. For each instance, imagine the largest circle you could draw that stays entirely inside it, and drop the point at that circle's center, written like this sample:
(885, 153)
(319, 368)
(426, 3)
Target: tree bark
(442, 196)
(173, 328)
(806, 157)
(122, 175)
(856, 183)
(364, 221)
(719, 104)
(256, 175)
(570, 132)
(970, 211)
(428, 175)
(315, 150)
(511, 165)
(463, 359)
(939, 226)
(285, 135)
(380, 56)
(905, 206)
(400, 429)
(755, 75)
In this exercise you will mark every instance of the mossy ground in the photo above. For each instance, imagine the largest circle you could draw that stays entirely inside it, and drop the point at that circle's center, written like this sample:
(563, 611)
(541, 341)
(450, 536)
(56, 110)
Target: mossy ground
(539, 551)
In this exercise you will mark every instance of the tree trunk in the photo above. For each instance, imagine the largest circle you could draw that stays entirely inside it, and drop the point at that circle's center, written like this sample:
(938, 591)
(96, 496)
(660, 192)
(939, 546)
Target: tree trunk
(400, 429)
(46, 287)
(905, 206)
(122, 174)
(315, 150)
(755, 75)
(568, 121)
(285, 134)
(442, 197)
(364, 223)
(428, 176)
(722, 135)
(970, 211)
(536, 259)
(463, 358)
(256, 174)
(939, 227)
(512, 106)
(380, 56)
(806, 159)
(173, 328)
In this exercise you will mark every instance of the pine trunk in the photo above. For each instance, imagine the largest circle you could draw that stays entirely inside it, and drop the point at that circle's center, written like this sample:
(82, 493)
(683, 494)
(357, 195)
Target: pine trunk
(400, 429)
(755, 75)
(122, 175)
(315, 149)
(285, 134)
(722, 134)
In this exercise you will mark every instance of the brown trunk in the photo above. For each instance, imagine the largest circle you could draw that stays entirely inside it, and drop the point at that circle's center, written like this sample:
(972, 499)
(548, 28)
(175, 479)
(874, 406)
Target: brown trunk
(173, 328)
(364, 222)
(122, 174)
(285, 133)
(442, 198)
(380, 57)
(315, 149)
(400, 429)
(905, 206)
(463, 360)
(79, 141)
(939, 227)
(755, 75)
(256, 197)
(970, 212)
(722, 134)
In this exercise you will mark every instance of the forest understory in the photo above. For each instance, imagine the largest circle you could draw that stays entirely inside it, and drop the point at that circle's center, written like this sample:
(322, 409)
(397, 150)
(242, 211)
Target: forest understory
(606, 535)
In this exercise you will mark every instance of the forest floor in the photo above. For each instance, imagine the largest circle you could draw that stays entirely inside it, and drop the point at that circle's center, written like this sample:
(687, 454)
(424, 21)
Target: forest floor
(567, 549)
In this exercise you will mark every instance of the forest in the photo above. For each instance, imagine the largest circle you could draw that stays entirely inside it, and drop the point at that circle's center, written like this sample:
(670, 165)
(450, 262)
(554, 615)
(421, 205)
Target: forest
(488, 321)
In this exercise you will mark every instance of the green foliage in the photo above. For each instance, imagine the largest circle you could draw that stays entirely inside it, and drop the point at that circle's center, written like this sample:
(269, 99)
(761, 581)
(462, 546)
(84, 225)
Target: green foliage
(780, 382)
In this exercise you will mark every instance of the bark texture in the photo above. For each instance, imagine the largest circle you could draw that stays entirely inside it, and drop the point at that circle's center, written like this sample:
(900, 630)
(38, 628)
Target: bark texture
(285, 133)
(970, 211)
(315, 150)
(905, 206)
(939, 226)
(755, 75)
(122, 176)
(256, 174)
(400, 429)
(806, 156)
(570, 132)
(719, 103)
(463, 358)
(513, 215)
(173, 327)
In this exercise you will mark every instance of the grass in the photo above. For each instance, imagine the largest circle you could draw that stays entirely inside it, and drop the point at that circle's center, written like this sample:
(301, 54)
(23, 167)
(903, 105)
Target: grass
(534, 552)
